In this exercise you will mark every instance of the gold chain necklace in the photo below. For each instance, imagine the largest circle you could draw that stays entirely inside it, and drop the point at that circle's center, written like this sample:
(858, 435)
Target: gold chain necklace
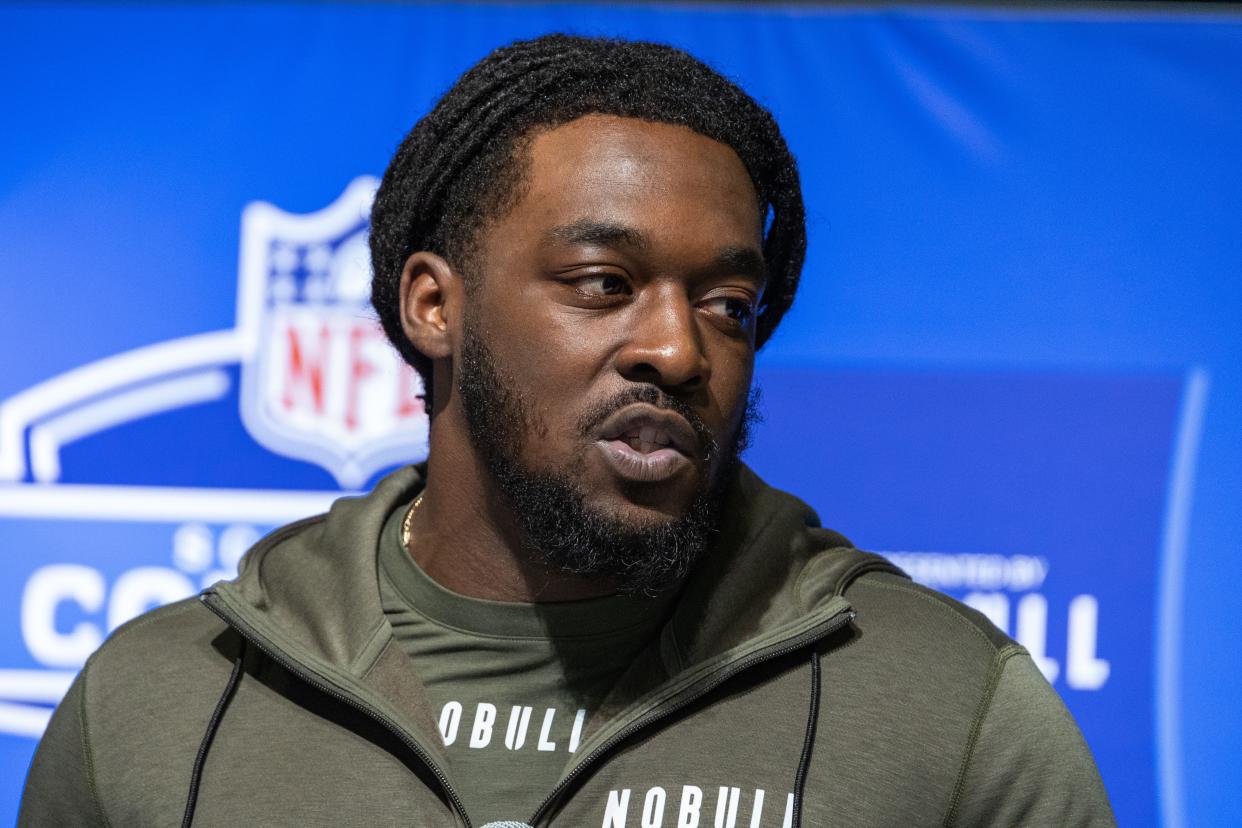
(409, 516)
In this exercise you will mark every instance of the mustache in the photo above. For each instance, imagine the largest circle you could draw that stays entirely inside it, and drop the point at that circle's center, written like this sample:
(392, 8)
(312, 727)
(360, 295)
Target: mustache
(591, 419)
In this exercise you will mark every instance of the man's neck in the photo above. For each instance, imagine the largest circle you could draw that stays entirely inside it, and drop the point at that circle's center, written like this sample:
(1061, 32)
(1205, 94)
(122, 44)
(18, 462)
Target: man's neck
(465, 536)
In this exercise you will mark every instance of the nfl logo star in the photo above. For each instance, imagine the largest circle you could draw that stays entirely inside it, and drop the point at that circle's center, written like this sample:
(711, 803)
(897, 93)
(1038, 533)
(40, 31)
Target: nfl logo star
(319, 380)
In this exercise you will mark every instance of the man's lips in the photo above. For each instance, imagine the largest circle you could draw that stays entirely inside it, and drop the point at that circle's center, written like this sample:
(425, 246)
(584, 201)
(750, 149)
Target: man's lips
(645, 444)
(647, 429)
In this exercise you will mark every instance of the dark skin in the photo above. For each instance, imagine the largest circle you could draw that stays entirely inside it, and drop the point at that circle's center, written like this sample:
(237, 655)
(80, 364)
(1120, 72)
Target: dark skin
(632, 256)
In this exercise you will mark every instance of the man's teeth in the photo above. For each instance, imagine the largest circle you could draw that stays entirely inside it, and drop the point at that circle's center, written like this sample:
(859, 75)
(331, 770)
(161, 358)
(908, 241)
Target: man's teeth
(647, 439)
(654, 435)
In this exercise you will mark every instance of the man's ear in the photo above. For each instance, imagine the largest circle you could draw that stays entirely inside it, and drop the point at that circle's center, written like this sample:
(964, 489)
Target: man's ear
(431, 303)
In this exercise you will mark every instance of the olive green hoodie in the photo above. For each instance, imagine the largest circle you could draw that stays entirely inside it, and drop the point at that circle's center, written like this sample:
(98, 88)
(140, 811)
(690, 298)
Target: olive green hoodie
(798, 681)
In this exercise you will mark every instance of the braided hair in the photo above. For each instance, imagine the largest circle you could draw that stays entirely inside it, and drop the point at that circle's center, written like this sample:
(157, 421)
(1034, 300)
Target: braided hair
(462, 164)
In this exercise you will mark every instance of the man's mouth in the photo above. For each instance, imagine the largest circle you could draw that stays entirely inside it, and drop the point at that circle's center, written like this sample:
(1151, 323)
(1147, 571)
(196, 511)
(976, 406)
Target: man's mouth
(646, 439)
(646, 444)
(647, 429)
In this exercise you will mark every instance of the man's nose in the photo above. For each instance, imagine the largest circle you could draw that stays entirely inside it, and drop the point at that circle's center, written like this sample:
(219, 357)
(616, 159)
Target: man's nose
(664, 346)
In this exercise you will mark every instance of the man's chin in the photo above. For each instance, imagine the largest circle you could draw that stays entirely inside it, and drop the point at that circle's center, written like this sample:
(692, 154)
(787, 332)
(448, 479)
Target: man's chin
(640, 509)
(602, 532)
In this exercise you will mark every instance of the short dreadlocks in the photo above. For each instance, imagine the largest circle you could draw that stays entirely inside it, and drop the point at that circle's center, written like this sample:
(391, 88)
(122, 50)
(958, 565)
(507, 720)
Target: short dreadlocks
(462, 164)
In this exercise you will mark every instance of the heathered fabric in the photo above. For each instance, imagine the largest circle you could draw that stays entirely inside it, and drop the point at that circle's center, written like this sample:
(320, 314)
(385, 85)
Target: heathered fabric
(928, 714)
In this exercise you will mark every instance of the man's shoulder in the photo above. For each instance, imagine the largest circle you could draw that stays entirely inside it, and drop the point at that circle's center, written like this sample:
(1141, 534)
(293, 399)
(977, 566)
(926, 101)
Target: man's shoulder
(163, 625)
(895, 601)
(162, 653)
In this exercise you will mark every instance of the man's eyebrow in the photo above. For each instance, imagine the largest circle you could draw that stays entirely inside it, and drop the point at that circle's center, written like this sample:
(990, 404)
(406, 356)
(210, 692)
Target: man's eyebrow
(598, 232)
(731, 260)
(742, 261)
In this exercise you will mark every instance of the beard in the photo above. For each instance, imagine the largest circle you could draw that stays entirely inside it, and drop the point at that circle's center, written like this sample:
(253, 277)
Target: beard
(559, 528)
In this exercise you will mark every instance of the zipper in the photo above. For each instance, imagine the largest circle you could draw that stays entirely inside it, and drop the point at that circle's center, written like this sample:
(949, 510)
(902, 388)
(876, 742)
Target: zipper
(829, 626)
(322, 686)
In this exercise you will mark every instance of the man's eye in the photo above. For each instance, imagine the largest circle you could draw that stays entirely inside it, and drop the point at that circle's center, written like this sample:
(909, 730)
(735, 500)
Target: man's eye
(739, 310)
(605, 284)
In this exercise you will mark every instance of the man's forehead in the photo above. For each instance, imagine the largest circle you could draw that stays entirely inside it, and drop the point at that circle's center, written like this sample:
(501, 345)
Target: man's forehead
(615, 149)
(601, 172)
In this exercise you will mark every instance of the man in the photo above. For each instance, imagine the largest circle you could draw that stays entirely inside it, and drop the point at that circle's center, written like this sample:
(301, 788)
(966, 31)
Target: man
(583, 610)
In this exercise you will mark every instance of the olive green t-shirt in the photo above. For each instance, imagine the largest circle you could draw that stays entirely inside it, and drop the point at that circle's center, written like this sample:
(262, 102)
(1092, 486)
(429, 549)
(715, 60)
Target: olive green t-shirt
(512, 685)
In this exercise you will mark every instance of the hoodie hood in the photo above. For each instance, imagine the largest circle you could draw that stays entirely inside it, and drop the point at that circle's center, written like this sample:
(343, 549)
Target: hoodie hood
(772, 566)
(312, 587)
(771, 584)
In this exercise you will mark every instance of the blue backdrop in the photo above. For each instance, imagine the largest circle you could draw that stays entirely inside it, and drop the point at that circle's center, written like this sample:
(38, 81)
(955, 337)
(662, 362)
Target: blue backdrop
(1015, 364)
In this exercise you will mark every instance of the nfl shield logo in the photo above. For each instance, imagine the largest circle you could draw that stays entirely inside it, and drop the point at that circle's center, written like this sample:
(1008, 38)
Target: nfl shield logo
(320, 382)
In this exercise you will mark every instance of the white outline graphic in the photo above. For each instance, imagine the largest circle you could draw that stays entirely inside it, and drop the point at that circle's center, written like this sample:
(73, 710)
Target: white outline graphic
(111, 375)
(17, 686)
(1172, 599)
(40, 501)
(47, 439)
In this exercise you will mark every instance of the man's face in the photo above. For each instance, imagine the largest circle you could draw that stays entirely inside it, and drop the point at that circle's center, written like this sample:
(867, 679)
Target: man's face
(608, 343)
